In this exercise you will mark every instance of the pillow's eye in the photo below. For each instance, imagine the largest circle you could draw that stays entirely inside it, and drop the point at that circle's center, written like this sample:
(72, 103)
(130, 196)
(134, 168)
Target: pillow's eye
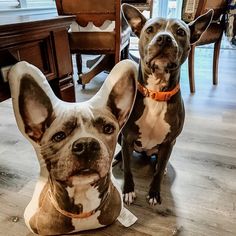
(180, 32)
(59, 136)
(108, 129)
(149, 30)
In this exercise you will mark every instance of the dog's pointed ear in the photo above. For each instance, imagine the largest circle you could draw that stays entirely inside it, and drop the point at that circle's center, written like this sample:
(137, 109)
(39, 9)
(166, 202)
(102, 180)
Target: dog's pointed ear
(31, 100)
(121, 98)
(198, 26)
(134, 17)
(118, 91)
(35, 108)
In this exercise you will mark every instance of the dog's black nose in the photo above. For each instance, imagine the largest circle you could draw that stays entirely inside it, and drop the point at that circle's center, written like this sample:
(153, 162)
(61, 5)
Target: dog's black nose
(85, 145)
(163, 39)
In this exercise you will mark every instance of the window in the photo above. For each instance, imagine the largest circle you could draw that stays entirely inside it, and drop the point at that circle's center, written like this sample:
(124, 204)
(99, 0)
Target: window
(167, 8)
(22, 4)
(39, 3)
(9, 4)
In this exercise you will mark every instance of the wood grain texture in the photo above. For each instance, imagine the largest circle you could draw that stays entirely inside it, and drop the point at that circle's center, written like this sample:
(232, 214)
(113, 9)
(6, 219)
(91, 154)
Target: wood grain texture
(199, 190)
(42, 41)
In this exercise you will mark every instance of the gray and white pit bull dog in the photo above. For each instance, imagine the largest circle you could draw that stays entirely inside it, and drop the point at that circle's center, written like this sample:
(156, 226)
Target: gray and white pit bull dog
(75, 144)
(158, 113)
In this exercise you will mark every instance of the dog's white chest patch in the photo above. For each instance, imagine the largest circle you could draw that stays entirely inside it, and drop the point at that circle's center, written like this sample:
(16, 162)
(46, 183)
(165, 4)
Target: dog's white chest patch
(89, 197)
(86, 195)
(152, 126)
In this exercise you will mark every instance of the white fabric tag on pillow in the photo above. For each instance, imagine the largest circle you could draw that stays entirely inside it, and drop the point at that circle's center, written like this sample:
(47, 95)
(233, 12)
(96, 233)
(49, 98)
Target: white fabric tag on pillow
(126, 218)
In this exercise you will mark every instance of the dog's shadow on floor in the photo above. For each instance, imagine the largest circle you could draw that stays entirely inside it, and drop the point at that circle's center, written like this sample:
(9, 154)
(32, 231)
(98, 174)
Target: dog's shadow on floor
(148, 216)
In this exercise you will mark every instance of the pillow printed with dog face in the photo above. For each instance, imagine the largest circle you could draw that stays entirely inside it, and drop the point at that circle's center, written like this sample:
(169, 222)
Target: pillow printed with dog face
(75, 144)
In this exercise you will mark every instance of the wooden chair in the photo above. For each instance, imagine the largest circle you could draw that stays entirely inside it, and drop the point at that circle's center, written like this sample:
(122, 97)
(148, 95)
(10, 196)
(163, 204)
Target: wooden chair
(191, 10)
(111, 45)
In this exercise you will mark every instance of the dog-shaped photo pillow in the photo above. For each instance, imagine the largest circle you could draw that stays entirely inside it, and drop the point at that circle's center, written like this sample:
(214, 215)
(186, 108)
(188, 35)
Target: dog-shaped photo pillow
(75, 144)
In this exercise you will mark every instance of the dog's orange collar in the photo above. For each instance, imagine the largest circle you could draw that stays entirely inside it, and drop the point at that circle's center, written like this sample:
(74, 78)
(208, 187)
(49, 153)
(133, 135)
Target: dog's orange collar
(158, 96)
(66, 213)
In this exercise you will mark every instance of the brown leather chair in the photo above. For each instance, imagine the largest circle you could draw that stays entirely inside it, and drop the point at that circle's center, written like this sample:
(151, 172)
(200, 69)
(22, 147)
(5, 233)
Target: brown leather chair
(112, 45)
(213, 34)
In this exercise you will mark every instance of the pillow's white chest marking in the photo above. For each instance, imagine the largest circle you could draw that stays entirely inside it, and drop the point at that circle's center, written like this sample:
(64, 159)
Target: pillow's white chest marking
(86, 195)
(89, 197)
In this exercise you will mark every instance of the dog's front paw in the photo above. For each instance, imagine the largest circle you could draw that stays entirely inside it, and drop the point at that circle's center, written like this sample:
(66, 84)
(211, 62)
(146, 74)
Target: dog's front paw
(129, 198)
(153, 198)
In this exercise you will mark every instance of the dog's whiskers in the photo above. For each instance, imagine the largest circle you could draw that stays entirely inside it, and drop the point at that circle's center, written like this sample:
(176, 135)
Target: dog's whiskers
(46, 145)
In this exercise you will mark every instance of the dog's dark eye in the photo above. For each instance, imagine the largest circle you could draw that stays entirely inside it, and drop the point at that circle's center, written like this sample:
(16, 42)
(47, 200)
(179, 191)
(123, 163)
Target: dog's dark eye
(149, 29)
(58, 136)
(180, 32)
(108, 129)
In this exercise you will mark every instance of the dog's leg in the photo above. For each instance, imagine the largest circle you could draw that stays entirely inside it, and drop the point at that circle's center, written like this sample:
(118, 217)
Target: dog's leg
(128, 190)
(164, 153)
(118, 156)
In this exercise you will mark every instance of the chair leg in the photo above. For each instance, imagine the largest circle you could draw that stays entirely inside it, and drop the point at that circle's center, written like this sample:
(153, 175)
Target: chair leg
(151, 7)
(104, 63)
(125, 52)
(191, 69)
(78, 62)
(216, 60)
(134, 58)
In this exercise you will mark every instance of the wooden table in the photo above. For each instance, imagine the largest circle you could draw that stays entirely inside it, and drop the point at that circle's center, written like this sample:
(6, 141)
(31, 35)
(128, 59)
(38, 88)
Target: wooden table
(41, 40)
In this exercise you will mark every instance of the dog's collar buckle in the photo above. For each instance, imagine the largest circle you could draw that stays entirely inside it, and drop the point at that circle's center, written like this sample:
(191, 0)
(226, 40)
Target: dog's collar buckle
(158, 96)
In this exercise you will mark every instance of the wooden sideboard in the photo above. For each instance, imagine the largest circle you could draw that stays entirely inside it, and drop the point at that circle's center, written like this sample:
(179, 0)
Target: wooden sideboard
(41, 40)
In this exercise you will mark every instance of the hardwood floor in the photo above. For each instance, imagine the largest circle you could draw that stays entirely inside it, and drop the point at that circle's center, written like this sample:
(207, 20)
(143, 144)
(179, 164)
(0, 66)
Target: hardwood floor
(199, 190)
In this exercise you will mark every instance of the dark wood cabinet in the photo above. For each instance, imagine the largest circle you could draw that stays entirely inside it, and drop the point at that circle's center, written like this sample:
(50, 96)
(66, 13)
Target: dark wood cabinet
(41, 40)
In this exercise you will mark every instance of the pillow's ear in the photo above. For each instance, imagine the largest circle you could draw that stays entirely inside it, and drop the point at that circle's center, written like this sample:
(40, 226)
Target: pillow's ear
(118, 92)
(31, 96)
(198, 26)
(134, 17)
(121, 98)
